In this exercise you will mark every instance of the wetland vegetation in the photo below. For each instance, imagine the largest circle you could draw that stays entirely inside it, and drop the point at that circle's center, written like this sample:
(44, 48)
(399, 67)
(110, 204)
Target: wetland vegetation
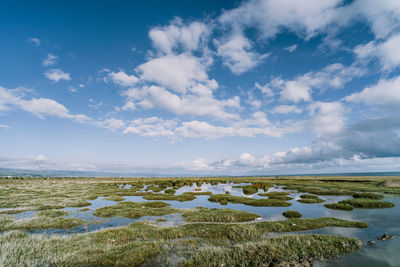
(183, 221)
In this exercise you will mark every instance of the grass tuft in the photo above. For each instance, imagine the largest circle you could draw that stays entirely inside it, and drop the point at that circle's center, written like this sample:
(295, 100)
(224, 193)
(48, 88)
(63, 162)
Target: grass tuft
(291, 214)
(365, 203)
(225, 198)
(219, 215)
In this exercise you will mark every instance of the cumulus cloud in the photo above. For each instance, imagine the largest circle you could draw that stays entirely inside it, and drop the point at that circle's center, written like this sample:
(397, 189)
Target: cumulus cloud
(384, 15)
(111, 124)
(175, 72)
(385, 92)
(122, 79)
(40, 107)
(178, 37)
(300, 88)
(304, 17)
(256, 125)
(57, 75)
(327, 118)
(51, 59)
(370, 143)
(386, 52)
(237, 55)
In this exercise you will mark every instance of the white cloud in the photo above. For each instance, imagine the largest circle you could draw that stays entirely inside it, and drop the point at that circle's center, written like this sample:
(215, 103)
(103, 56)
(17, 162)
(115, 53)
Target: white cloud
(291, 48)
(256, 125)
(5, 127)
(95, 104)
(265, 89)
(56, 75)
(41, 158)
(383, 15)
(34, 41)
(178, 36)
(40, 107)
(122, 79)
(111, 124)
(385, 92)
(72, 89)
(386, 52)
(301, 87)
(286, 109)
(175, 72)
(304, 17)
(327, 118)
(51, 59)
(236, 54)
(201, 102)
(152, 127)
(295, 91)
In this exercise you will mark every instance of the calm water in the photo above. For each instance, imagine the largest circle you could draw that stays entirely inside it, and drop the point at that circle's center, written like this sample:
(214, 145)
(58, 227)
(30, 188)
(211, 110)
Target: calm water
(383, 253)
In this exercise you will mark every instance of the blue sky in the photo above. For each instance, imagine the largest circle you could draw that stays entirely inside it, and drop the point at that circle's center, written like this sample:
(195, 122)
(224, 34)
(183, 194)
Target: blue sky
(206, 87)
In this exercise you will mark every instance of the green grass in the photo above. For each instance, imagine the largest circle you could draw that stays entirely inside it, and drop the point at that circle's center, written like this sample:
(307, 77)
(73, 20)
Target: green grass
(365, 203)
(279, 251)
(135, 210)
(205, 193)
(139, 242)
(274, 193)
(169, 191)
(339, 206)
(277, 195)
(219, 215)
(225, 198)
(52, 213)
(368, 195)
(115, 198)
(50, 207)
(39, 222)
(309, 196)
(181, 198)
(112, 247)
(250, 189)
(291, 214)
(136, 244)
(310, 199)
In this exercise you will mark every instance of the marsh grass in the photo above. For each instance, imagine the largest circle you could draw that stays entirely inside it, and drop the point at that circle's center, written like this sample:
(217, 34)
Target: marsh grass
(183, 197)
(137, 243)
(169, 191)
(339, 206)
(115, 198)
(288, 250)
(204, 193)
(225, 198)
(310, 199)
(47, 220)
(250, 189)
(219, 215)
(291, 214)
(368, 195)
(52, 213)
(365, 203)
(135, 210)
(274, 194)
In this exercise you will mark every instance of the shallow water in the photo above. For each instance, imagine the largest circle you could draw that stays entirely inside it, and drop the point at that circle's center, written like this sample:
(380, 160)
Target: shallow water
(383, 253)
